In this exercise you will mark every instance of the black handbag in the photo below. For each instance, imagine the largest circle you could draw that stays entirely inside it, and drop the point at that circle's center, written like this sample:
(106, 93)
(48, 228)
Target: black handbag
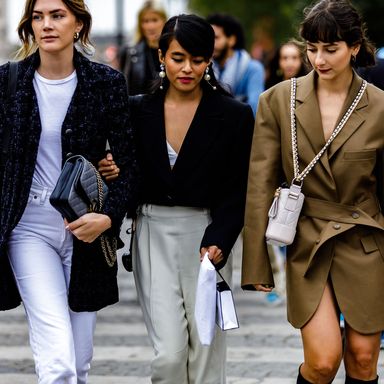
(80, 190)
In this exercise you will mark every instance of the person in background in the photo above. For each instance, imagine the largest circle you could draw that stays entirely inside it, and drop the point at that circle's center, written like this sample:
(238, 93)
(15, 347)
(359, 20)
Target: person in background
(140, 63)
(374, 74)
(287, 62)
(233, 66)
(193, 148)
(63, 105)
(335, 263)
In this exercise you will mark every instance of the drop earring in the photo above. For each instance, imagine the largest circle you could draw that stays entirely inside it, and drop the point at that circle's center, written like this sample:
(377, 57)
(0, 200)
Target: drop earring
(162, 75)
(207, 77)
(76, 36)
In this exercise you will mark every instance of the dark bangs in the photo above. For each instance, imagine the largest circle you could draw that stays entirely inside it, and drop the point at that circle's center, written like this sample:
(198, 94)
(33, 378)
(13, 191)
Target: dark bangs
(322, 28)
(194, 34)
(330, 21)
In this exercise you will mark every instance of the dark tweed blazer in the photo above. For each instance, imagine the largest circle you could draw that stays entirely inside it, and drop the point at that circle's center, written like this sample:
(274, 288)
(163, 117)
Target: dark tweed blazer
(98, 112)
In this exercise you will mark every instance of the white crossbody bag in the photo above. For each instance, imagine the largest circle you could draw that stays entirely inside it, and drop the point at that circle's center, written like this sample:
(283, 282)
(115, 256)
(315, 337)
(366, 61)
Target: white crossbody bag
(288, 201)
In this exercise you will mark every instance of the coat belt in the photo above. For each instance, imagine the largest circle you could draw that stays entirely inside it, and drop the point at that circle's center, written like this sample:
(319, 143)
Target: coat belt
(340, 217)
(328, 210)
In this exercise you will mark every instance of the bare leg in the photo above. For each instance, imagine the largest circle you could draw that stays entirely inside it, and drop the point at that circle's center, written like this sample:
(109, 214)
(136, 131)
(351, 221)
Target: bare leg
(361, 354)
(322, 341)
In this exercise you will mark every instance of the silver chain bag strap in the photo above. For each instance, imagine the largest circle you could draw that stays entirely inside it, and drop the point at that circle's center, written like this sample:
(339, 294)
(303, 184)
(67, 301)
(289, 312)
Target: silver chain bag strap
(288, 202)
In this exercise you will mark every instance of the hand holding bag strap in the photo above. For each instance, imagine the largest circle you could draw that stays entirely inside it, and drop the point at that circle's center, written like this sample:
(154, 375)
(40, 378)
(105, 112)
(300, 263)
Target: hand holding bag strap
(11, 90)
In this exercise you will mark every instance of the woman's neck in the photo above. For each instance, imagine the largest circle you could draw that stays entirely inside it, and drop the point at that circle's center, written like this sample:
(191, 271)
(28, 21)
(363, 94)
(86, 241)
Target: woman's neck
(338, 85)
(154, 44)
(56, 66)
(175, 96)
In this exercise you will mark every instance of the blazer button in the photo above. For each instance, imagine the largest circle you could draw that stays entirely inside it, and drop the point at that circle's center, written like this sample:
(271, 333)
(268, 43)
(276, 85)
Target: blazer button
(336, 226)
(68, 131)
(355, 215)
(69, 154)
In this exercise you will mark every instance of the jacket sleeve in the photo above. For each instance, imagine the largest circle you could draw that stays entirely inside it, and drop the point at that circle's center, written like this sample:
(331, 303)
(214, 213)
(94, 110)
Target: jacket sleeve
(263, 179)
(227, 212)
(122, 191)
(255, 84)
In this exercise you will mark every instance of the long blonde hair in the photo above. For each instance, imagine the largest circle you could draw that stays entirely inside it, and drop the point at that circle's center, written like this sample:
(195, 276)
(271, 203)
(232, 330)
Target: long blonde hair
(149, 6)
(25, 32)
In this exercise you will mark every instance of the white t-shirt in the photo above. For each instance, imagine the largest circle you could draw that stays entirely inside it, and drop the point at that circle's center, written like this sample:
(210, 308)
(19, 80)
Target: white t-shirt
(53, 97)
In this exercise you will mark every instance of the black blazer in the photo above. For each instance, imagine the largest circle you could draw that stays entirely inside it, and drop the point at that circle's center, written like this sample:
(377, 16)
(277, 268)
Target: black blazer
(98, 112)
(212, 165)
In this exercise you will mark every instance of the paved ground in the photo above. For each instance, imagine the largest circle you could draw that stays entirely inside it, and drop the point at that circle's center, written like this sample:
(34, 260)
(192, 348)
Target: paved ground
(265, 350)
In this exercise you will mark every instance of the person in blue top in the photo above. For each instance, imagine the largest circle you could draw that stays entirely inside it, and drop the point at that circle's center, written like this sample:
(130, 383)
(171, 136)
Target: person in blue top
(233, 66)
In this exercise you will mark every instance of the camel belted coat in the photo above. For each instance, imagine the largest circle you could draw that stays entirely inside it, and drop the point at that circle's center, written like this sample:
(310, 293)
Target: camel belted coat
(340, 234)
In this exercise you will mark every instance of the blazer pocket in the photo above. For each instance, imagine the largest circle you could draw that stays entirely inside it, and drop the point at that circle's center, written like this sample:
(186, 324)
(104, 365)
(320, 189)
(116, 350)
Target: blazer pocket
(366, 154)
(369, 244)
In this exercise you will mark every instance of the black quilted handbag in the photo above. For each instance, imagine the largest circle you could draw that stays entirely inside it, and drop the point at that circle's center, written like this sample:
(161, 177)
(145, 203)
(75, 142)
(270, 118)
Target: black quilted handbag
(79, 190)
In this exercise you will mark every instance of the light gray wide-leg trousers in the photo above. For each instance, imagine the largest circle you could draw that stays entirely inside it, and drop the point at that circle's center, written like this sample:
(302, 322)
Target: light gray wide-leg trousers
(166, 261)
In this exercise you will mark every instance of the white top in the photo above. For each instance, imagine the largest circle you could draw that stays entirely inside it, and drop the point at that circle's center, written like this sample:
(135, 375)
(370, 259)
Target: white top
(53, 97)
(172, 154)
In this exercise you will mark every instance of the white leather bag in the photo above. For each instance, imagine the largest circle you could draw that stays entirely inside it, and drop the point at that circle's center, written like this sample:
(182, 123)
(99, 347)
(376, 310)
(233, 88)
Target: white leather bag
(288, 202)
(284, 215)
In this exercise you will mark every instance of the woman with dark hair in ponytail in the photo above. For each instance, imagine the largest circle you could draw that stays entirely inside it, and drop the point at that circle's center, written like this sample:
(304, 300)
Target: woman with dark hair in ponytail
(335, 263)
(193, 147)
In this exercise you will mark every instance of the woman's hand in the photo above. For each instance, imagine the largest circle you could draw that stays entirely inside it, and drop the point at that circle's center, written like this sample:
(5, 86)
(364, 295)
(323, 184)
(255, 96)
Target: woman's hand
(89, 227)
(263, 287)
(215, 254)
(108, 168)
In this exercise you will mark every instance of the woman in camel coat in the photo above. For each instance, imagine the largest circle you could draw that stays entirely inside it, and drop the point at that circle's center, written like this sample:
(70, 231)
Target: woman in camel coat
(336, 263)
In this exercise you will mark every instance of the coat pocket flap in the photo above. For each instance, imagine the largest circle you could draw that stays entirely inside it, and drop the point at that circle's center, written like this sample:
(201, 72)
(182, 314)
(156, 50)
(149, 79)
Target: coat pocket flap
(369, 244)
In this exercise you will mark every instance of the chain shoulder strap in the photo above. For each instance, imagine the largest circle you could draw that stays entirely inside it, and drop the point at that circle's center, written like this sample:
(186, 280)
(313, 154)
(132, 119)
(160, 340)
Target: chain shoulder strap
(109, 250)
(299, 177)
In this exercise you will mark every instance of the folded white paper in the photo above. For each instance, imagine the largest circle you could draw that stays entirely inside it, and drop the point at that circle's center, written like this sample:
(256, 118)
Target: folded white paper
(205, 306)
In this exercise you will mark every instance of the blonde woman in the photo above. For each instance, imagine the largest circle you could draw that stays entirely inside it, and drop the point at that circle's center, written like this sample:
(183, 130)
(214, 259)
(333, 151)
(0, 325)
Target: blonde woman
(63, 105)
(140, 63)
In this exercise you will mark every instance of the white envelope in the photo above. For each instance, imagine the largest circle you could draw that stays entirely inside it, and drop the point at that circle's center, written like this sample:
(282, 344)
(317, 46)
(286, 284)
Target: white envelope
(205, 305)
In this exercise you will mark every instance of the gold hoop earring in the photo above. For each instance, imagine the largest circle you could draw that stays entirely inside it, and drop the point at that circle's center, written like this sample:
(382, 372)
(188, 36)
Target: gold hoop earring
(76, 36)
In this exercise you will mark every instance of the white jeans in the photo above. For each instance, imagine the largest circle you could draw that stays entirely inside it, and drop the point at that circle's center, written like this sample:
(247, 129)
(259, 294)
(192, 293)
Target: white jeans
(40, 253)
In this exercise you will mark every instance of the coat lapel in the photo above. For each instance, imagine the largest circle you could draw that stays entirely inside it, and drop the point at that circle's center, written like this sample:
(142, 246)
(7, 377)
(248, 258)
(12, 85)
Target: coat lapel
(151, 123)
(308, 120)
(201, 134)
(356, 119)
